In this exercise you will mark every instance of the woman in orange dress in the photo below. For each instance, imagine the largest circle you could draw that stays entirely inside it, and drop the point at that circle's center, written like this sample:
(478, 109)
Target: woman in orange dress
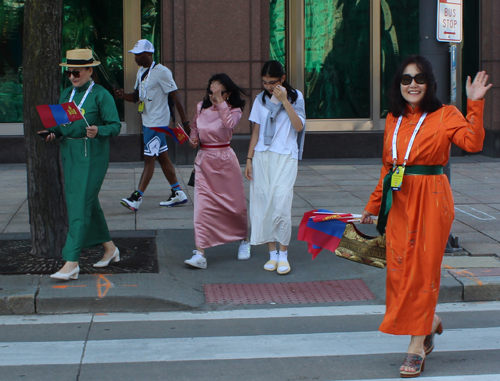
(419, 222)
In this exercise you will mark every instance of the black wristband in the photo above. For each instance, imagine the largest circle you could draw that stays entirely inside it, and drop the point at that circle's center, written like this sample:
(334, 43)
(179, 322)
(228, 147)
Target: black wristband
(185, 123)
(249, 158)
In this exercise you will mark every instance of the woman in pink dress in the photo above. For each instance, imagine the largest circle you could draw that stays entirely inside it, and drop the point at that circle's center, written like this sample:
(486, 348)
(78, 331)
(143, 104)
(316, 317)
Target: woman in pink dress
(220, 210)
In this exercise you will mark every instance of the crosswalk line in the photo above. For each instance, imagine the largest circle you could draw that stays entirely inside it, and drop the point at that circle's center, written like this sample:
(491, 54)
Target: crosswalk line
(236, 347)
(234, 314)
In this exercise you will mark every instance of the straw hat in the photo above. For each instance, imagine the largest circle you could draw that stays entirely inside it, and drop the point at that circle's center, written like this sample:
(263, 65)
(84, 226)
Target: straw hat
(79, 58)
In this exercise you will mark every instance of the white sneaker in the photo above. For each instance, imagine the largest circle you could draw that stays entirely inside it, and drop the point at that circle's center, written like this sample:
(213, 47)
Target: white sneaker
(244, 250)
(133, 202)
(176, 198)
(197, 260)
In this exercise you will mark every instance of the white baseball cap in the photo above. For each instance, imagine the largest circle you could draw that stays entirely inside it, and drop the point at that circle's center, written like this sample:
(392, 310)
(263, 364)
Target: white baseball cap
(143, 46)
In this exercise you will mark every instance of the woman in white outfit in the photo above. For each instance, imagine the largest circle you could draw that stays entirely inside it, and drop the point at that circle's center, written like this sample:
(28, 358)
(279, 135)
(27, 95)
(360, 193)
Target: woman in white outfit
(271, 165)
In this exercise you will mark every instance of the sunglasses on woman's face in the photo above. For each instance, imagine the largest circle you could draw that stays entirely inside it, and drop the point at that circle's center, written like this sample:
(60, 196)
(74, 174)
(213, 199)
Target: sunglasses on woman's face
(76, 73)
(406, 79)
(210, 92)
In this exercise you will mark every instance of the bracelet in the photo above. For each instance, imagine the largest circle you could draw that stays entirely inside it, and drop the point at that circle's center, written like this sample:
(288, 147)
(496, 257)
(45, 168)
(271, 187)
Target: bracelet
(185, 123)
(249, 158)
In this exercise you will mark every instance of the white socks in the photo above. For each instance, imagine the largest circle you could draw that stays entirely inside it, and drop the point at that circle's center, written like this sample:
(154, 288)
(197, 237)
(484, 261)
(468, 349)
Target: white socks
(273, 256)
(283, 257)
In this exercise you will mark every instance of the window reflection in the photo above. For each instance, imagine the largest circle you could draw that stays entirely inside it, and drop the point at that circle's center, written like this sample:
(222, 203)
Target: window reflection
(337, 59)
(11, 60)
(151, 25)
(97, 25)
(277, 30)
(399, 37)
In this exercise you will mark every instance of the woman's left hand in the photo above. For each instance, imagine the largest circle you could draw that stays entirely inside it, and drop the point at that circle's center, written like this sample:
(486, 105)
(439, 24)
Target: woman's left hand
(92, 132)
(477, 89)
(280, 93)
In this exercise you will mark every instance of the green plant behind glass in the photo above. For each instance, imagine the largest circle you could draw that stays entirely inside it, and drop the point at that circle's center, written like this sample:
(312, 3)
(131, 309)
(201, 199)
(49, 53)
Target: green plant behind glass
(337, 59)
(11, 60)
(97, 25)
(151, 25)
(277, 31)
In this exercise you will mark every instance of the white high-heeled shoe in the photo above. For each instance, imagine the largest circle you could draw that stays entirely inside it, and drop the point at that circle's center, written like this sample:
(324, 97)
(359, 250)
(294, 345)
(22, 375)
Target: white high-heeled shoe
(67, 276)
(115, 258)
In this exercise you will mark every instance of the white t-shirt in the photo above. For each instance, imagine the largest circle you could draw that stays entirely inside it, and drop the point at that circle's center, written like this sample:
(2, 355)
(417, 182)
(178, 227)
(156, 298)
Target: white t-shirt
(285, 137)
(156, 88)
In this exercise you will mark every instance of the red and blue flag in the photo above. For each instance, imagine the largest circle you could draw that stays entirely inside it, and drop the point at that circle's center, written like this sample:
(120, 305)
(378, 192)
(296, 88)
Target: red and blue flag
(324, 233)
(177, 133)
(55, 115)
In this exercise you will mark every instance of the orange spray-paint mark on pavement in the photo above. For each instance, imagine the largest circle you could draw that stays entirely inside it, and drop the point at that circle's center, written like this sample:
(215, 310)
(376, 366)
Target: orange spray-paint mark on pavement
(471, 276)
(103, 285)
(466, 274)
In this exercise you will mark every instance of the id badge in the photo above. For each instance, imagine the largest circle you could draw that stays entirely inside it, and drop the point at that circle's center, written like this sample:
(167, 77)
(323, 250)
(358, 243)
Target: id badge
(140, 108)
(397, 178)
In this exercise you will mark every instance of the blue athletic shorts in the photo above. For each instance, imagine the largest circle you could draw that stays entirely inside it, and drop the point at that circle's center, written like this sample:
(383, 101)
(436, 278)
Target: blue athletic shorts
(154, 142)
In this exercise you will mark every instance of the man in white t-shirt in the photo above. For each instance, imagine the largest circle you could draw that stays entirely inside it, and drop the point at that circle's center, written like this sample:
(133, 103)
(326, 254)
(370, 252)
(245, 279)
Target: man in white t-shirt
(153, 86)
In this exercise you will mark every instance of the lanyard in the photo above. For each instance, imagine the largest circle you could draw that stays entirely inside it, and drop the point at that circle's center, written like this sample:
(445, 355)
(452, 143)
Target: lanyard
(92, 83)
(410, 144)
(142, 96)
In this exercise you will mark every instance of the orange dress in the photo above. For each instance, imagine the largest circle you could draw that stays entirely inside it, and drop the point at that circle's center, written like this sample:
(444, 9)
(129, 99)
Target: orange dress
(419, 222)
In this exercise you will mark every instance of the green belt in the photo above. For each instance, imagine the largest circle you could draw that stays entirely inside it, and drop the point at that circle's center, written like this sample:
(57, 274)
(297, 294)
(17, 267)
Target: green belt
(386, 204)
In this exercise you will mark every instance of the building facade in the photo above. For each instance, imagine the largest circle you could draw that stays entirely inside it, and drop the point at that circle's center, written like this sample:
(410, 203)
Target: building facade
(340, 53)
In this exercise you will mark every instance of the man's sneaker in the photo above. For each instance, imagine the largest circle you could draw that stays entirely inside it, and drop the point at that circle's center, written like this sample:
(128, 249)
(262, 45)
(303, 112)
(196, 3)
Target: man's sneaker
(176, 198)
(244, 250)
(133, 202)
(197, 260)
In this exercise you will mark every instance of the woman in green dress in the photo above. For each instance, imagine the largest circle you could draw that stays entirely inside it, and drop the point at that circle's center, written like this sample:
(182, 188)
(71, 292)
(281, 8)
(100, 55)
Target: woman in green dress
(85, 158)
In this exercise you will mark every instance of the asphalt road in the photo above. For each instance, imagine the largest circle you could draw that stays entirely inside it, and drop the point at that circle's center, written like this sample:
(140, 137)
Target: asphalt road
(308, 343)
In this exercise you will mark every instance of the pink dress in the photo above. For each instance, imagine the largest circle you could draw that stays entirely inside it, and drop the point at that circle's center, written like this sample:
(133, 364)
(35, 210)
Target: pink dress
(220, 210)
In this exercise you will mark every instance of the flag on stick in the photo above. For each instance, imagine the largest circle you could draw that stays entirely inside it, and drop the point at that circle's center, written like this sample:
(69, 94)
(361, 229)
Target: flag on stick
(177, 133)
(320, 216)
(55, 115)
(325, 233)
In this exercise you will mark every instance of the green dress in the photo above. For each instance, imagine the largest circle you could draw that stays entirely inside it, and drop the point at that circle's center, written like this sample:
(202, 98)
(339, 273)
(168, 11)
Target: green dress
(85, 162)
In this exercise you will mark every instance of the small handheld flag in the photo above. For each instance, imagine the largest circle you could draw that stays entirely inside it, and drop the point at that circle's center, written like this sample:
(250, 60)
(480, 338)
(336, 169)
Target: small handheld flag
(323, 229)
(177, 133)
(325, 234)
(55, 115)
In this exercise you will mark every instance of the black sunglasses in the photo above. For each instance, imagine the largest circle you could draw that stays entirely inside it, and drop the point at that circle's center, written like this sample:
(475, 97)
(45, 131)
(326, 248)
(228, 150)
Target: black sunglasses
(221, 93)
(75, 73)
(420, 78)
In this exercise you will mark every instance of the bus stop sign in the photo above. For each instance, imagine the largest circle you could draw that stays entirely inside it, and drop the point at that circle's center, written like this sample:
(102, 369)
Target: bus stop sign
(449, 20)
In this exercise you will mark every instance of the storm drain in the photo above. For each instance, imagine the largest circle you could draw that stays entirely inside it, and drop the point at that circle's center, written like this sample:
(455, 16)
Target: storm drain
(288, 293)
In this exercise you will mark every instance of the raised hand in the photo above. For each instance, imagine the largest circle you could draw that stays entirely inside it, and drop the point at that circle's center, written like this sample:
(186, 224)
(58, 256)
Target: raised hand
(280, 93)
(477, 89)
(216, 96)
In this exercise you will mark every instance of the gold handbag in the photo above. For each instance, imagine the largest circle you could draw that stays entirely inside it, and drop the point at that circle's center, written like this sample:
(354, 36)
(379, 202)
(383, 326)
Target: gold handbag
(362, 248)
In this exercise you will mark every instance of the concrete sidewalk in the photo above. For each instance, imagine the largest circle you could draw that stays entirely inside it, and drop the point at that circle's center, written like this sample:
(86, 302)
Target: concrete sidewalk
(343, 185)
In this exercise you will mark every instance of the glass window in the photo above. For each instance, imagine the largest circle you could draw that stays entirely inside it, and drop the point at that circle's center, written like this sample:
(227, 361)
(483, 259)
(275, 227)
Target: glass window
(151, 25)
(97, 25)
(337, 59)
(277, 30)
(400, 37)
(471, 45)
(11, 60)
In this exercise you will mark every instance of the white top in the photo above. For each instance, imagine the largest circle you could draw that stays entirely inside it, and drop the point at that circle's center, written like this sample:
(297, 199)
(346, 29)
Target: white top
(160, 83)
(285, 137)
